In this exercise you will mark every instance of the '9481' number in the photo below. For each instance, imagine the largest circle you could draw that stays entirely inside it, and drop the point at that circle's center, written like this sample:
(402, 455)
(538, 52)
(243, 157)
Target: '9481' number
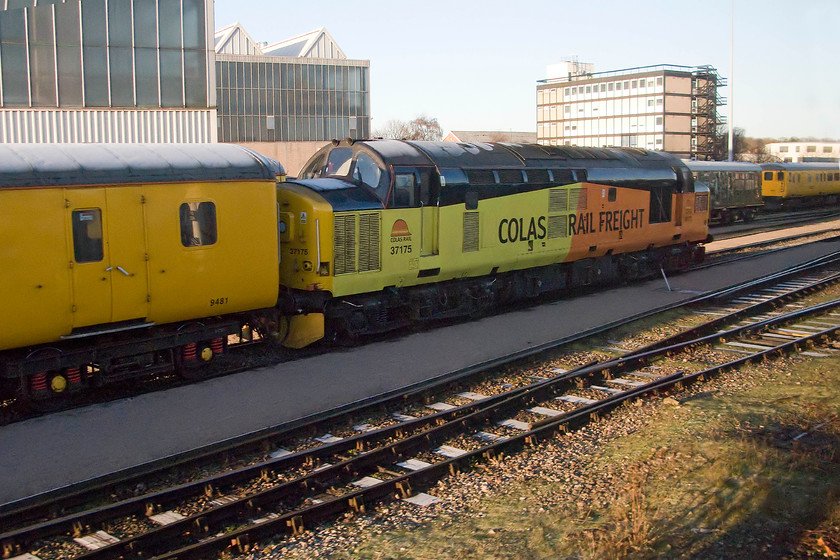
(218, 301)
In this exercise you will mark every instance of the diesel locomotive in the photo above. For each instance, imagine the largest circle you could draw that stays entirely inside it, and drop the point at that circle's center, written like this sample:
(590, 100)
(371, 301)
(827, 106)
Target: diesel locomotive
(378, 234)
(123, 261)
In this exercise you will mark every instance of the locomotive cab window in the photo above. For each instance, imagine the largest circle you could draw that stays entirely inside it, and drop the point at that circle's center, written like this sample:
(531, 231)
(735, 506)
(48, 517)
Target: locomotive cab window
(198, 224)
(87, 235)
(367, 171)
(339, 161)
(781, 176)
(404, 190)
(768, 175)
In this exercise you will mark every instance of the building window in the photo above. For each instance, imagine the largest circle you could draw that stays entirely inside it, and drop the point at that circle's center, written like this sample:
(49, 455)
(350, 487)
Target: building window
(566, 91)
(650, 83)
(603, 88)
(650, 102)
(627, 85)
(783, 148)
(580, 90)
(659, 120)
(633, 84)
(659, 101)
(659, 81)
(198, 224)
(811, 149)
(567, 109)
(588, 89)
(618, 86)
(797, 148)
(826, 149)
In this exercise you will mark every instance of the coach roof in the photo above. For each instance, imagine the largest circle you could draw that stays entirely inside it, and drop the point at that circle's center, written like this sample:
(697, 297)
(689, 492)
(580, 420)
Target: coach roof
(40, 165)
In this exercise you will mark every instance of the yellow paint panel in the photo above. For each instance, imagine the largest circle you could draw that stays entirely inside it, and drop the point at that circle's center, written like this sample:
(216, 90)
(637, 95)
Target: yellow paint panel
(236, 273)
(34, 267)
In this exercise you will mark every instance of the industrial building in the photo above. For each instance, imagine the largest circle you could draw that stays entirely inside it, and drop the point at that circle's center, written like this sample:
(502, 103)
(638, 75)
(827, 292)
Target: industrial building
(107, 71)
(665, 107)
(155, 71)
(287, 99)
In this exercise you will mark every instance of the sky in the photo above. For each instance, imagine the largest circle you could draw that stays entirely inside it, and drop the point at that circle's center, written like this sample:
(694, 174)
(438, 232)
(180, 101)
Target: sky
(474, 65)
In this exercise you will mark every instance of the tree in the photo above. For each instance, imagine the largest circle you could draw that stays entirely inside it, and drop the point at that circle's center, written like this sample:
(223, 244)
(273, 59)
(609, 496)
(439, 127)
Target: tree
(421, 128)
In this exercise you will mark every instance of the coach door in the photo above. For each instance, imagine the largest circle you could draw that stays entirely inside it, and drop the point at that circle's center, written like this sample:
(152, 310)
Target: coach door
(110, 279)
(430, 211)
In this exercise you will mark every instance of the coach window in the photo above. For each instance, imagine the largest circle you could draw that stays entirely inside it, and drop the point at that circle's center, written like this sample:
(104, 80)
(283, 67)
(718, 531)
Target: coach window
(611, 194)
(87, 235)
(198, 224)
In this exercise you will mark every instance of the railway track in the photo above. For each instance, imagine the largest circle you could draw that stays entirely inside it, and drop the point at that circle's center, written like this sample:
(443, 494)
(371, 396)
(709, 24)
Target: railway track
(773, 221)
(408, 442)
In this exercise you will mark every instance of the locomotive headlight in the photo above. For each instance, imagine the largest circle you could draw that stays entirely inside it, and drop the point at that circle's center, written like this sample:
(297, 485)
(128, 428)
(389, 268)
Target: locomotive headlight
(282, 227)
(307, 266)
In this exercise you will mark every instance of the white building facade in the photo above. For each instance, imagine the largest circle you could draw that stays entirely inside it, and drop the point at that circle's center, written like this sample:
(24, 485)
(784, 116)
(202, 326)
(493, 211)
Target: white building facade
(796, 152)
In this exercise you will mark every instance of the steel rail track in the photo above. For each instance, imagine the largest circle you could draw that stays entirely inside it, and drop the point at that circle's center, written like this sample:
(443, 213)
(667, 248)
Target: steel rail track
(149, 503)
(158, 543)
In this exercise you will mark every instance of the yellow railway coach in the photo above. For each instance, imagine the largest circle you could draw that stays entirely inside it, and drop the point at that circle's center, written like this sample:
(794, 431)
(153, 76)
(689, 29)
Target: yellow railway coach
(783, 182)
(133, 256)
(377, 234)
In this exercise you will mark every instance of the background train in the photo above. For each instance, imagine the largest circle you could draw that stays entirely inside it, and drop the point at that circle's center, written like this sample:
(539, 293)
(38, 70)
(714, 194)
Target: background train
(740, 189)
(123, 261)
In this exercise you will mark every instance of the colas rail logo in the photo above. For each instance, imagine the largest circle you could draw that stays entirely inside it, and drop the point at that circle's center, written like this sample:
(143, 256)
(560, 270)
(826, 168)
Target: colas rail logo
(400, 232)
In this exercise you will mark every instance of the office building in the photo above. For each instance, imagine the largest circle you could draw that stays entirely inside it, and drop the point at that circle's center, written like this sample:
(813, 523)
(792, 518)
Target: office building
(670, 108)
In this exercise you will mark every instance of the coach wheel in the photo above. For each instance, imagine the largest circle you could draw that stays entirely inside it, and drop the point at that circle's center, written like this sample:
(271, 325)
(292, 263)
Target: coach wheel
(749, 215)
(47, 391)
(195, 358)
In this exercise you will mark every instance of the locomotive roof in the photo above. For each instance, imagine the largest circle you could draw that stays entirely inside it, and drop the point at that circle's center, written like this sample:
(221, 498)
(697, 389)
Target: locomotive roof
(503, 154)
(39, 165)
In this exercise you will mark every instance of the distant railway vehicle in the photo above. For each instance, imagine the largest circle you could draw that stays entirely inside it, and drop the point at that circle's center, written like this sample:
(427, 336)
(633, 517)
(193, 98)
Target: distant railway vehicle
(800, 183)
(735, 188)
(740, 189)
(123, 261)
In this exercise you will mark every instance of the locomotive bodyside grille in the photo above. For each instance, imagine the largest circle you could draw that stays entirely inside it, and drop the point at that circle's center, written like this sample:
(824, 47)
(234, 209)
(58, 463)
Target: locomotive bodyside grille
(558, 200)
(369, 241)
(345, 244)
(470, 242)
(577, 199)
(558, 226)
